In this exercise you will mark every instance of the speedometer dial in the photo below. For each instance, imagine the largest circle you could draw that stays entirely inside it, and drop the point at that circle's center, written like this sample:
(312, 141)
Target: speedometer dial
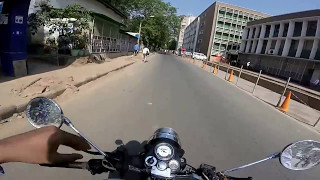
(164, 151)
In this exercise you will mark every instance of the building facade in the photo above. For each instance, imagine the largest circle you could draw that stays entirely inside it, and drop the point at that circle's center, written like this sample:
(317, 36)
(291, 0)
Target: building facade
(191, 35)
(284, 46)
(221, 27)
(105, 36)
(186, 20)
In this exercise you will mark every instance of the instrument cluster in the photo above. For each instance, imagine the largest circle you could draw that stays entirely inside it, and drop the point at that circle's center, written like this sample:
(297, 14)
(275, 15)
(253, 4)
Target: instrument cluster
(164, 160)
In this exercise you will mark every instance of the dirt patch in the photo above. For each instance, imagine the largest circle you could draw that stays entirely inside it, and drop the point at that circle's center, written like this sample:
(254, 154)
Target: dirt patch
(42, 85)
(15, 116)
(67, 94)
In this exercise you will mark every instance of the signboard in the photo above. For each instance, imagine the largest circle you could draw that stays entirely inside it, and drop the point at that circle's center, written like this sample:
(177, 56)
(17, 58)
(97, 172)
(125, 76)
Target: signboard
(4, 19)
(1, 5)
(19, 20)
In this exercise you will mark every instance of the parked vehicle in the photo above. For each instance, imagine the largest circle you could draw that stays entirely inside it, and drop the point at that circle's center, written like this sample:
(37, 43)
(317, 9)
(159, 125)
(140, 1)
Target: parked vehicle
(188, 54)
(162, 157)
(199, 56)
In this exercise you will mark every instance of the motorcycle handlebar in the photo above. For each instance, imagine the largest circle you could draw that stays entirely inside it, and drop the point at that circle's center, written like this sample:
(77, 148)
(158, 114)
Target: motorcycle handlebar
(75, 165)
(94, 167)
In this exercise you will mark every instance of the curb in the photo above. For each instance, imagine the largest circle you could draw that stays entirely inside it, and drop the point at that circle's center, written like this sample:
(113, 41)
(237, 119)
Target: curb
(8, 111)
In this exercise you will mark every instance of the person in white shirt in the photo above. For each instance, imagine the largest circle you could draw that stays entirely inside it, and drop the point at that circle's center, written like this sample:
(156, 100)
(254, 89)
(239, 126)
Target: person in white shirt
(145, 53)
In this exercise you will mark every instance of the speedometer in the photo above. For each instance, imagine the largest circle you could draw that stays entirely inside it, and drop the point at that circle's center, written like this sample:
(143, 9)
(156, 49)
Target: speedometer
(164, 151)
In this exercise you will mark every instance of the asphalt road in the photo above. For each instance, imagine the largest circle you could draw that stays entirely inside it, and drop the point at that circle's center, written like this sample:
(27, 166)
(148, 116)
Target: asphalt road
(218, 124)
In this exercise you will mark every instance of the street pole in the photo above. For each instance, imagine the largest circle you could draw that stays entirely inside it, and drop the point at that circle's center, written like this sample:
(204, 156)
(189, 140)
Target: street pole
(254, 88)
(139, 33)
(225, 77)
(239, 75)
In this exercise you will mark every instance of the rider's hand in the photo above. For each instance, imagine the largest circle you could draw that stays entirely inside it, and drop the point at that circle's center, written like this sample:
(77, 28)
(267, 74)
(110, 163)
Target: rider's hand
(40, 147)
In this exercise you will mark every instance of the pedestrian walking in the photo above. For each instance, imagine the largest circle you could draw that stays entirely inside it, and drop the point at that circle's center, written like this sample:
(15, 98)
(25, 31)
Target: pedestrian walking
(145, 53)
(136, 49)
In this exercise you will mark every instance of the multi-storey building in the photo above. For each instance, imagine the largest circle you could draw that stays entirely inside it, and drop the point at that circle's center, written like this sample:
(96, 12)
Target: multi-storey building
(221, 27)
(190, 35)
(186, 20)
(284, 46)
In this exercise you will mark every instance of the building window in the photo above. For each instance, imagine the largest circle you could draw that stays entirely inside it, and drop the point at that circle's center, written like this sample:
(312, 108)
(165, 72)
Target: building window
(259, 31)
(297, 29)
(250, 47)
(293, 48)
(282, 43)
(312, 28)
(276, 30)
(264, 46)
(255, 47)
(227, 25)
(273, 44)
(225, 36)
(220, 24)
(285, 30)
(254, 31)
(318, 53)
(218, 35)
(216, 46)
(307, 47)
(229, 15)
(267, 31)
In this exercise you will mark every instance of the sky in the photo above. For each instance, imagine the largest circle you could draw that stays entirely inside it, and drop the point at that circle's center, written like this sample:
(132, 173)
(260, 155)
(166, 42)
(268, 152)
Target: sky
(271, 7)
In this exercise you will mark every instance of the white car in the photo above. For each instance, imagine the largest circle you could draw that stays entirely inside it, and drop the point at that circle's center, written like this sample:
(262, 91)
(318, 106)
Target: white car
(199, 56)
(188, 53)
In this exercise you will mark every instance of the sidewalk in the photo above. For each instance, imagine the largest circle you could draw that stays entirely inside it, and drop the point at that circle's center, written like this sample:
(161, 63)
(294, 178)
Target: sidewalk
(16, 93)
(296, 110)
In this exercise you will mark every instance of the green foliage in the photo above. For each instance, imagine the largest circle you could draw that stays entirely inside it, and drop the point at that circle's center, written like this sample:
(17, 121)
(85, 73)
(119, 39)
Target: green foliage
(156, 31)
(172, 44)
(70, 22)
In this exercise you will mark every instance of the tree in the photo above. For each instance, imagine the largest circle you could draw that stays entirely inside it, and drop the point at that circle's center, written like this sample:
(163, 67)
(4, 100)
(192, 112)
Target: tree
(173, 44)
(156, 32)
(71, 22)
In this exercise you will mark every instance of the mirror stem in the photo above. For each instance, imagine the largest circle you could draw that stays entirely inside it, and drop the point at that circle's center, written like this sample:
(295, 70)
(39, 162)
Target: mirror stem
(69, 123)
(273, 156)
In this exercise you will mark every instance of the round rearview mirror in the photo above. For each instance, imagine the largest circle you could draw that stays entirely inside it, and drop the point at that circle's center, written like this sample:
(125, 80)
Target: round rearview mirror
(301, 155)
(43, 112)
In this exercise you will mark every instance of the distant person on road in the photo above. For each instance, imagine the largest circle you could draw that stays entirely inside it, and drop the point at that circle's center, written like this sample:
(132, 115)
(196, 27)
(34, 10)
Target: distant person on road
(248, 64)
(145, 53)
(136, 49)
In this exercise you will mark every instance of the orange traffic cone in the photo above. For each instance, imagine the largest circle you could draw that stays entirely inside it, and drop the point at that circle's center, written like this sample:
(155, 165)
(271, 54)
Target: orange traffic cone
(203, 65)
(215, 70)
(230, 79)
(285, 105)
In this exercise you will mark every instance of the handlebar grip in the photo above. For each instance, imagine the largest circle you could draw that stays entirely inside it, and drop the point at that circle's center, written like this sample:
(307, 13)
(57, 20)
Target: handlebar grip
(74, 165)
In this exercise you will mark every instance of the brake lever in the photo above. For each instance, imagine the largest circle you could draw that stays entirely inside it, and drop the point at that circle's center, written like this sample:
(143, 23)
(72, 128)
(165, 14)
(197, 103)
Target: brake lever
(225, 177)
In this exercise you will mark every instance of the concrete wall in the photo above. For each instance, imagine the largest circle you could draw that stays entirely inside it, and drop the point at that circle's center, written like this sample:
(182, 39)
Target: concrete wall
(300, 70)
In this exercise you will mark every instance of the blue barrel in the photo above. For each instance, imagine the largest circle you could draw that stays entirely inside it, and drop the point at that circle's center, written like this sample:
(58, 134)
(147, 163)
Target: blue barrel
(13, 44)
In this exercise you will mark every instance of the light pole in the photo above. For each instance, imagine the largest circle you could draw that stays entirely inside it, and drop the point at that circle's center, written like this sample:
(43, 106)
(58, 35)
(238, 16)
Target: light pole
(138, 41)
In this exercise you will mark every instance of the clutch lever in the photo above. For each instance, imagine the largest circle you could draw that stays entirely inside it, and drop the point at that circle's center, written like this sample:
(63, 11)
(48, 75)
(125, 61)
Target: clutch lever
(74, 165)
(95, 166)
